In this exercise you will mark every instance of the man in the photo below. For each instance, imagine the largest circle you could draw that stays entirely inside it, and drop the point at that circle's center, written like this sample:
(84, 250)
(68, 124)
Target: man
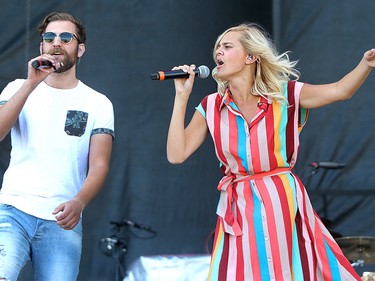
(61, 133)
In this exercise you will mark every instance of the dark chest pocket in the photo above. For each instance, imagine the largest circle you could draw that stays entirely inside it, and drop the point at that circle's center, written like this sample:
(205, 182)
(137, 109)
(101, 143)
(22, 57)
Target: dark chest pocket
(75, 123)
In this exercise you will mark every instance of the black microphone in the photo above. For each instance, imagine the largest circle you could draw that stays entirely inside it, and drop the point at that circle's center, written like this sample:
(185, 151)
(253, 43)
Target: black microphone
(202, 72)
(128, 222)
(328, 165)
(37, 64)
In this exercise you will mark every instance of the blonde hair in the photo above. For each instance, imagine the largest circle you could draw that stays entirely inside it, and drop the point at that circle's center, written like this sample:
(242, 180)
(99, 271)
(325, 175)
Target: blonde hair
(272, 69)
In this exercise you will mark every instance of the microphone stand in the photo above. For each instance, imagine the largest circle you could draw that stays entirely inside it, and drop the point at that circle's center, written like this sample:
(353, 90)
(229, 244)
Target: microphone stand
(315, 170)
(117, 246)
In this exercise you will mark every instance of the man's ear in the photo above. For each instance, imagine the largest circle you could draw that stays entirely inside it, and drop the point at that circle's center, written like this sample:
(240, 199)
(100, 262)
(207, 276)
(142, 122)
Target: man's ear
(81, 50)
(41, 48)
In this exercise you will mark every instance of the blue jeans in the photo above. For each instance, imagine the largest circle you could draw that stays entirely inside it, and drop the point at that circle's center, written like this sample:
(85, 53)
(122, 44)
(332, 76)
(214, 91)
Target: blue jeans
(55, 253)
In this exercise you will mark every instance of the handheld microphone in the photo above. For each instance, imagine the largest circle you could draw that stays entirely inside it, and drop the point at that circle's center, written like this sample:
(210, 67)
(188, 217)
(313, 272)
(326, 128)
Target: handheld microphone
(37, 64)
(202, 72)
(328, 165)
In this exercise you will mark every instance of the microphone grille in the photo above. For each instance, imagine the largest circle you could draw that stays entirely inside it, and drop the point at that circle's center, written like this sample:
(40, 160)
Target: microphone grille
(204, 71)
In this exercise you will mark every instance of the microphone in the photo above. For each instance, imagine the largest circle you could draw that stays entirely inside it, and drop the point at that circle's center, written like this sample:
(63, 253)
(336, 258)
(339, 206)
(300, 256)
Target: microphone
(128, 222)
(202, 72)
(37, 64)
(328, 165)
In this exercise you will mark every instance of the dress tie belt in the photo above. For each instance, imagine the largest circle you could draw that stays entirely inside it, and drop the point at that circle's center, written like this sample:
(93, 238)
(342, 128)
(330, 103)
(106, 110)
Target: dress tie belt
(224, 209)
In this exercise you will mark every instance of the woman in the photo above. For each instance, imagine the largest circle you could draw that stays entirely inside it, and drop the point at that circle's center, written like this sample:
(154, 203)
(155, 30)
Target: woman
(266, 228)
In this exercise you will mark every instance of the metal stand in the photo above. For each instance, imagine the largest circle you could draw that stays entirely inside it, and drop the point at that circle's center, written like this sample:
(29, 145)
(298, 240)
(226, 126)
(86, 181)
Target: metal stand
(116, 245)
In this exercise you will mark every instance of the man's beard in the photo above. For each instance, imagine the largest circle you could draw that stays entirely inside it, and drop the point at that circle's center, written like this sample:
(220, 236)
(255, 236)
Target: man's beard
(66, 64)
(68, 61)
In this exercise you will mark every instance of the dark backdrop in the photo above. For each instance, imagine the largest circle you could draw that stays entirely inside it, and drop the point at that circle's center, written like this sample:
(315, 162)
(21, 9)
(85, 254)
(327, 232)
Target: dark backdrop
(127, 40)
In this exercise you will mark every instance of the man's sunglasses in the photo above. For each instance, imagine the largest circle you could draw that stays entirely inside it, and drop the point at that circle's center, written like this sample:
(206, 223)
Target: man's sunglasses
(65, 37)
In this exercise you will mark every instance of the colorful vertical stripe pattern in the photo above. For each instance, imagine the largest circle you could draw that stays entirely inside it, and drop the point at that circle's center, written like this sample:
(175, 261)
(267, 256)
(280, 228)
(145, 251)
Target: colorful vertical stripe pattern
(266, 227)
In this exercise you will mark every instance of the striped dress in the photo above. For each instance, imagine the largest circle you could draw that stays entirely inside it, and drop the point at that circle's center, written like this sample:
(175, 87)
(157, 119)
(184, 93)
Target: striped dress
(266, 228)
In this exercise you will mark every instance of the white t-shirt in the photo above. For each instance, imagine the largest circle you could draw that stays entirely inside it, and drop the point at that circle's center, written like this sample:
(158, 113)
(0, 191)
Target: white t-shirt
(50, 145)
